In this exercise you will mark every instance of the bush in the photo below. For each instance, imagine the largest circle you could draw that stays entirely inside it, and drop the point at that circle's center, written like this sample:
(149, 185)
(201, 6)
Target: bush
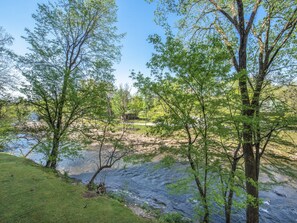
(173, 218)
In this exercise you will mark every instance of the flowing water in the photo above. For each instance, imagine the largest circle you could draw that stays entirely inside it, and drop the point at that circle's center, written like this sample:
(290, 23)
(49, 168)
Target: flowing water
(147, 185)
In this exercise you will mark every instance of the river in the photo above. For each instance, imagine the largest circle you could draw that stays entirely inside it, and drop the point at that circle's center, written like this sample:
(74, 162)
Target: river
(147, 185)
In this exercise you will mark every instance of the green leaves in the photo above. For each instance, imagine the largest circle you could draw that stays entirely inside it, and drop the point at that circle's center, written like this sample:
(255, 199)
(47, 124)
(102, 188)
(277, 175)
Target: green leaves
(7, 80)
(121, 101)
(191, 83)
(73, 47)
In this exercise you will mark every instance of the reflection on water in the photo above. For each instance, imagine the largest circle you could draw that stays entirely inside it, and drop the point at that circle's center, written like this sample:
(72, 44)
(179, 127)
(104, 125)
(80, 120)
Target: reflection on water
(144, 184)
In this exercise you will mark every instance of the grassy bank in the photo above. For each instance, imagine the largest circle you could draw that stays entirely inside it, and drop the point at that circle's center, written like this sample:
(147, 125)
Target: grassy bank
(30, 193)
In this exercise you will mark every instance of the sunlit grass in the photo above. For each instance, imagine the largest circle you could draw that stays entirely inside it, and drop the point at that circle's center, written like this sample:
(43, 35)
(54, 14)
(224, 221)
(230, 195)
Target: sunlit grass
(31, 193)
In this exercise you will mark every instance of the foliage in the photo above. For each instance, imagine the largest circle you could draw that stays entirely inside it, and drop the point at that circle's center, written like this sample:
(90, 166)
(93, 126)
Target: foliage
(121, 101)
(73, 41)
(137, 104)
(259, 37)
(193, 99)
(172, 218)
(7, 80)
(99, 126)
(6, 120)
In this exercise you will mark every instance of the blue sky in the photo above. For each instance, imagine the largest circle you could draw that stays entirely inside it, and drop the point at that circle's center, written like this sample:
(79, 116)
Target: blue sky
(135, 18)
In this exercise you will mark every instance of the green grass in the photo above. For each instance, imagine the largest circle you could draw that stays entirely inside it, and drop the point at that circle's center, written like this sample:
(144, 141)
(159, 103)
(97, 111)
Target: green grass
(31, 193)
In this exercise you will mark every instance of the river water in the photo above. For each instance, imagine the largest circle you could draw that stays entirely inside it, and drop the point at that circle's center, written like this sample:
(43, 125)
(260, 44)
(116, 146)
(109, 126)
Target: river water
(147, 185)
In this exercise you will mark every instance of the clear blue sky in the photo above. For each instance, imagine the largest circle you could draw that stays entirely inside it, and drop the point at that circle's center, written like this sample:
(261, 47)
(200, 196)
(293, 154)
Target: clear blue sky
(135, 18)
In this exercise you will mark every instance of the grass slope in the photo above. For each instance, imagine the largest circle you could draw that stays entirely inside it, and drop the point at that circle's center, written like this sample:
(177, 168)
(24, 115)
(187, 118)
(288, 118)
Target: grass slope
(31, 193)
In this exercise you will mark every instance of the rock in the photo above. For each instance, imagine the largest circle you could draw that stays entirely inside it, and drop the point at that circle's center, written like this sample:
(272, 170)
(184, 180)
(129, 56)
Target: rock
(279, 194)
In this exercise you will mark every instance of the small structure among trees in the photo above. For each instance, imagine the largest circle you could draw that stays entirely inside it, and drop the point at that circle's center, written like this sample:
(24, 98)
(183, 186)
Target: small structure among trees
(129, 116)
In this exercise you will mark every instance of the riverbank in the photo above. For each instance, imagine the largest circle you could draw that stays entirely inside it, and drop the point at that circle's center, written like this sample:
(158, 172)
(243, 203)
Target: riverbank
(31, 193)
(146, 184)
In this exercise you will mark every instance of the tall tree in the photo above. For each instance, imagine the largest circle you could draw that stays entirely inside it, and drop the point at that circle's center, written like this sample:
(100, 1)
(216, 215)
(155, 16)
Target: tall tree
(6, 85)
(191, 94)
(73, 40)
(6, 78)
(259, 35)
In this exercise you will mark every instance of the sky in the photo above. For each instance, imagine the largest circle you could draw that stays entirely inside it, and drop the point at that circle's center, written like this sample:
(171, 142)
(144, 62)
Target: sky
(135, 18)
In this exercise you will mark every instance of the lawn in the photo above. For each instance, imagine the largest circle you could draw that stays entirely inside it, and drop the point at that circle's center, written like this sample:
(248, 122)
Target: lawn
(31, 193)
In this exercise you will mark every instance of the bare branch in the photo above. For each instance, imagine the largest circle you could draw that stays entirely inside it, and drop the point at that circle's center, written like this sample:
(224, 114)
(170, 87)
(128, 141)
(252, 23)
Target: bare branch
(232, 20)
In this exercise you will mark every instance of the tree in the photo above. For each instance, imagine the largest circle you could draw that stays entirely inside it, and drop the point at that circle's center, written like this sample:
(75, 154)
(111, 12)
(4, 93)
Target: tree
(6, 85)
(136, 104)
(6, 58)
(258, 35)
(121, 100)
(191, 95)
(74, 40)
(100, 126)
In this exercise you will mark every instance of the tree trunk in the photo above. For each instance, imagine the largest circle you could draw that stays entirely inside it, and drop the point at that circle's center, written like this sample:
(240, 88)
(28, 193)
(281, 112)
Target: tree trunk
(91, 182)
(252, 210)
(52, 160)
(206, 211)
(202, 193)
(228, 214)
(228, 205)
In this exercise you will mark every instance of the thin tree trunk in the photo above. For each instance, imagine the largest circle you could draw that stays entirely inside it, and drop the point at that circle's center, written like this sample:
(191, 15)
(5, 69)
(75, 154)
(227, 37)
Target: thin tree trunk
(52, 160)
(91, 182)
(202, 193)
(206, 211)
(228, 206)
